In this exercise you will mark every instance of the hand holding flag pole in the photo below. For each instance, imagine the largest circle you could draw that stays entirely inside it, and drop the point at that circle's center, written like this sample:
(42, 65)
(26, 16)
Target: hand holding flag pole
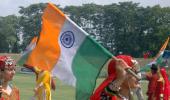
(126, 67)
(156, 58)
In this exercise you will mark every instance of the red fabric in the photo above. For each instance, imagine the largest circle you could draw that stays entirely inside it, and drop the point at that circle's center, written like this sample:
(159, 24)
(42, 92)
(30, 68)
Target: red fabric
(111, 66)
(152, 85)
(111, 76)
(152, 82)
(166, 91)
(6, 61)
(150, 96)
(2, 61)
(2, 98)
(14, 95)
(159, 90)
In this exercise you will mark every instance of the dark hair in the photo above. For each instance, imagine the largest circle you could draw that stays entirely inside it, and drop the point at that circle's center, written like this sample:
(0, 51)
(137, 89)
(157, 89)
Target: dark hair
(154, 67)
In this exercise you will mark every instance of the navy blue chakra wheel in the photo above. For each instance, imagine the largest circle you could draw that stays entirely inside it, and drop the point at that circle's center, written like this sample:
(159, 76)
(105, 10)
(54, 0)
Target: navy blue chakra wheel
(67, 39)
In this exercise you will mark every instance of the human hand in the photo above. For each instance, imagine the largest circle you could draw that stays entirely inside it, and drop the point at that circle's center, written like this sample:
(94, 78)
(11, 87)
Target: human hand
(35, 91)
(122, 63)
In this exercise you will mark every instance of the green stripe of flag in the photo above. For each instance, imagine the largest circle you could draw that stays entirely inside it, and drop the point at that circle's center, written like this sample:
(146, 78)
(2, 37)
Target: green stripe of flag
(87, 64)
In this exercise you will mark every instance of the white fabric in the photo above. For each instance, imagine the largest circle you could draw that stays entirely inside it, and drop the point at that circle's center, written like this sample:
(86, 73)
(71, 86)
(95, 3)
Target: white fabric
(63, 68)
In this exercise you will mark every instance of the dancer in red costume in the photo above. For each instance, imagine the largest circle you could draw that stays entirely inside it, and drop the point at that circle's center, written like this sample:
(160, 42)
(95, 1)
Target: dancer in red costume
(159, 86)
(7, 72)
(166, 88)
(153, 78)
(158, 94)
(118, 84)
(162, 91)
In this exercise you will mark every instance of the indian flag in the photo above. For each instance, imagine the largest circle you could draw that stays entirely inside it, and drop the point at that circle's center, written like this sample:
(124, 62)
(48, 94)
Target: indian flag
(68, 52)
(27, 50)
(158, 59)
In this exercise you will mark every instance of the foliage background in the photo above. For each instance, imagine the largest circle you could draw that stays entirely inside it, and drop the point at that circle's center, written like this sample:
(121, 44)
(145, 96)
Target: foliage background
(124, 28)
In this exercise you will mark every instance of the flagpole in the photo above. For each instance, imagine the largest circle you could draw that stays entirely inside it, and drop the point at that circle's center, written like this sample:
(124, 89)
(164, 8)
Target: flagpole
(162, 49)
(128, 70)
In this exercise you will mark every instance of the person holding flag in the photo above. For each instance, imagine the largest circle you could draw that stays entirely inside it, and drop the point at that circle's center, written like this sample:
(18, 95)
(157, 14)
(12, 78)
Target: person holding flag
(153, 78)
(120, 81)
(67, 54)
(44, 83)
(7, 72)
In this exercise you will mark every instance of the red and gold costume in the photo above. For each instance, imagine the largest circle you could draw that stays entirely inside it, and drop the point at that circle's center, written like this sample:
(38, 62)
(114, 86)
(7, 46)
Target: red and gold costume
(7, 65)
(166, 86)
(100, 93)
(14, 95)
(158, 94)
(152, 78)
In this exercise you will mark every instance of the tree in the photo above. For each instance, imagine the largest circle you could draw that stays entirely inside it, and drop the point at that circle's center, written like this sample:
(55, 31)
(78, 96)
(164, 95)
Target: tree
(121, 28)
(89, 17)
(8, 33)
(30, 22)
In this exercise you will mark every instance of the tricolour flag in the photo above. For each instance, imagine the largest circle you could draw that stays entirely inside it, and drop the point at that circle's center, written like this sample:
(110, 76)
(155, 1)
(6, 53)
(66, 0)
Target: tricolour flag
(158, 59)
(68, 52)
(27, 51)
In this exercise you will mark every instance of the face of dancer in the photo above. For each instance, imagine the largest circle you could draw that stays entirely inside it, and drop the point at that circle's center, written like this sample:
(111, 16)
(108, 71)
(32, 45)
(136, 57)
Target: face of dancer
(130, 82)
(9, 72)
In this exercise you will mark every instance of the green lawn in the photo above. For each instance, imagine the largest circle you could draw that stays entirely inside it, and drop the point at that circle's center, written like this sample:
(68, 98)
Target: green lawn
(25, 82)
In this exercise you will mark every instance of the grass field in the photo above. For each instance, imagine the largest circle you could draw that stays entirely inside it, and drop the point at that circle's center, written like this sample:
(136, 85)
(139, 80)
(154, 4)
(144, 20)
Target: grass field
(26, 82)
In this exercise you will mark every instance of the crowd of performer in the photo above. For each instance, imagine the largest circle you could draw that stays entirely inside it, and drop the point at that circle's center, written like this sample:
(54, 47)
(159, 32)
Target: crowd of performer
(123, 81)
